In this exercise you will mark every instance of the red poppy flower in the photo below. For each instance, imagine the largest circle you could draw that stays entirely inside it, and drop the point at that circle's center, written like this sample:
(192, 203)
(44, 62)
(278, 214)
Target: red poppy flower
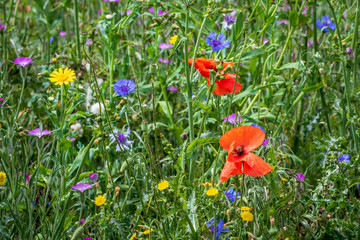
(239, 142)
(223, 86)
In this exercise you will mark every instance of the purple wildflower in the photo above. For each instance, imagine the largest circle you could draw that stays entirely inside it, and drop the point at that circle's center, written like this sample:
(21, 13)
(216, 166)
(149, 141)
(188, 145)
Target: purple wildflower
(1, 101)
(172, 89)
(300, 177)
(217, 41)
(231, 194)
(151, 10)
(350, 52)
(70, 139)
(23, 61)
(165, 46)
(81, 187)
(344, 158)
(286, 22)
(229, 20)
(38, 133)
(138, 22)
(2, 26)
(160, 13)
(122, 138)
(82, 221)
(99, 12)
(51, 39)
(324, 23)
(88, 42)
(258, 126)
(93, 177)
(124, 87)
(128, 12)
(219, 228)
(89, 238)
(233, 118)
(111, 0)
(27, 178)
(265, 142)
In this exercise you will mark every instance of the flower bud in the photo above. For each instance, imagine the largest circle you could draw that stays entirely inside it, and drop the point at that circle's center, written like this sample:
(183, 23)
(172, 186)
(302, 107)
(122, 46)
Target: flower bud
(183, 136)
(96, 141)
(117, 189)
(97, 184)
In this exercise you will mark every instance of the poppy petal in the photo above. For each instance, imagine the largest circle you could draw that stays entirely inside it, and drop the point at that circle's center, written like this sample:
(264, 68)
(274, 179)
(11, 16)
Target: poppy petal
(245, 136)
(230, 169)
(255, 166)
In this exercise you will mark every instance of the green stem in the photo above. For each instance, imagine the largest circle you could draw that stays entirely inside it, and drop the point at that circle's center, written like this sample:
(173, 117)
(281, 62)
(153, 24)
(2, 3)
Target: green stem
(346, 79)
(188, 80)
(21, 93)
(111, 73)
(76, 22)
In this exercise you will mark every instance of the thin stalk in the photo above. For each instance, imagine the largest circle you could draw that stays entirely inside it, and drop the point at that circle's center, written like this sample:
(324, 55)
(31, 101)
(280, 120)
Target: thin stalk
(111, 73)
(21, 93)
(188, 80)
(76, 22)
(346, 79)
(355, 46)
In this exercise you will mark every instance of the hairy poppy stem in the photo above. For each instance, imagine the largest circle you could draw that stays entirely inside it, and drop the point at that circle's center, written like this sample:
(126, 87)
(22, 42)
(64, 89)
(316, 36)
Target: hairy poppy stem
(76, 23)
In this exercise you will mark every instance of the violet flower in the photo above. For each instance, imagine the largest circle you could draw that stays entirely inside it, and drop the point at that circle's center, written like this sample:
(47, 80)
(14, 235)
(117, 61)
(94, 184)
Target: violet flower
(23, 61)
(286, 22)
(229, 20)
(81, 187)
(172, 89)
(82, 221)
(300, 177)
(27, 178)
(151, 10)
(2, 26)
(62, 34)
(233, 118)
(160, 13)
(1, 101)
(38, 133)
(265, 142)
(93, 177)
(165, 46)
(88, 42)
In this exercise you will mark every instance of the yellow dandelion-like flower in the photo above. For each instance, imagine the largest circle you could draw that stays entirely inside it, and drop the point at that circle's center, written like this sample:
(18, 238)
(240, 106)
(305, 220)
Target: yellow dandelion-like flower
(163, 185)
(54, 59)
(207, 184)
(133, 236)
(245, 209)
(212, 192)
(60, 77)
(148, 231)
(100, 200)
(2, 178)
(173, 39)
(284, 179)
(247, 216)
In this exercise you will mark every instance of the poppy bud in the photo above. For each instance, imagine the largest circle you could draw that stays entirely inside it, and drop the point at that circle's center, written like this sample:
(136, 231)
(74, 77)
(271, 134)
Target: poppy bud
(183, 136)
(161, 135)
(219, 65)
(224, 10)
(96, 141)
(174, 27)
(227, 69)
(154, 25)
(22, 134)
(116, 114)
(83, 38)
(122, 101)
(117, 194)
(97, 184)
(117, 189)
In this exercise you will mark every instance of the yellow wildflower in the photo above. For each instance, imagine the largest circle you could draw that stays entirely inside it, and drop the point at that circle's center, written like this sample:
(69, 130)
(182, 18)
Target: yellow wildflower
(133, 236)
(284, 179)
(60, 77)
(247, 216)
(212, 192)
(163, 185)
(148, 231)
(245, 209)
(173, 39)
(100, 200)
(54, 59)
(2, 178)
(207, 184)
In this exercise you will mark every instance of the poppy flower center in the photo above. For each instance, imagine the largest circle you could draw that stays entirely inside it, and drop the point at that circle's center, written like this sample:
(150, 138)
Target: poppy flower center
(239, 150)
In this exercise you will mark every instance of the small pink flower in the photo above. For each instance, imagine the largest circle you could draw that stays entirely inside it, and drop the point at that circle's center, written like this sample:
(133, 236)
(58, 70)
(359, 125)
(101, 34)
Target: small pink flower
(62, 34)
(23, 61)
(151, 10)
(38, 133)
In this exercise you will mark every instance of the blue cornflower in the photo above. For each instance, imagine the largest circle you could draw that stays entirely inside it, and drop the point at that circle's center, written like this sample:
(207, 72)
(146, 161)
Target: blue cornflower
(122, 138)
(231, 194)
(124, 87)
(217, 41)
(325, 23)
(219, 228)
(51, 39)
(258, 126)
(344, 158)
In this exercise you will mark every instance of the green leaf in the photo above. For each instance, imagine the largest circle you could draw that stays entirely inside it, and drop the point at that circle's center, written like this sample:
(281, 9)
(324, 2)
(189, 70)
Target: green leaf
(192, 209)
(252, 54)
(79, 158)
(296, 65)
(194, 145)
(315, 87)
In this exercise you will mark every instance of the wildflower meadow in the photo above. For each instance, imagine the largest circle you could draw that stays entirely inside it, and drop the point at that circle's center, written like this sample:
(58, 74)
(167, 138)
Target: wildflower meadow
(186, 119)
